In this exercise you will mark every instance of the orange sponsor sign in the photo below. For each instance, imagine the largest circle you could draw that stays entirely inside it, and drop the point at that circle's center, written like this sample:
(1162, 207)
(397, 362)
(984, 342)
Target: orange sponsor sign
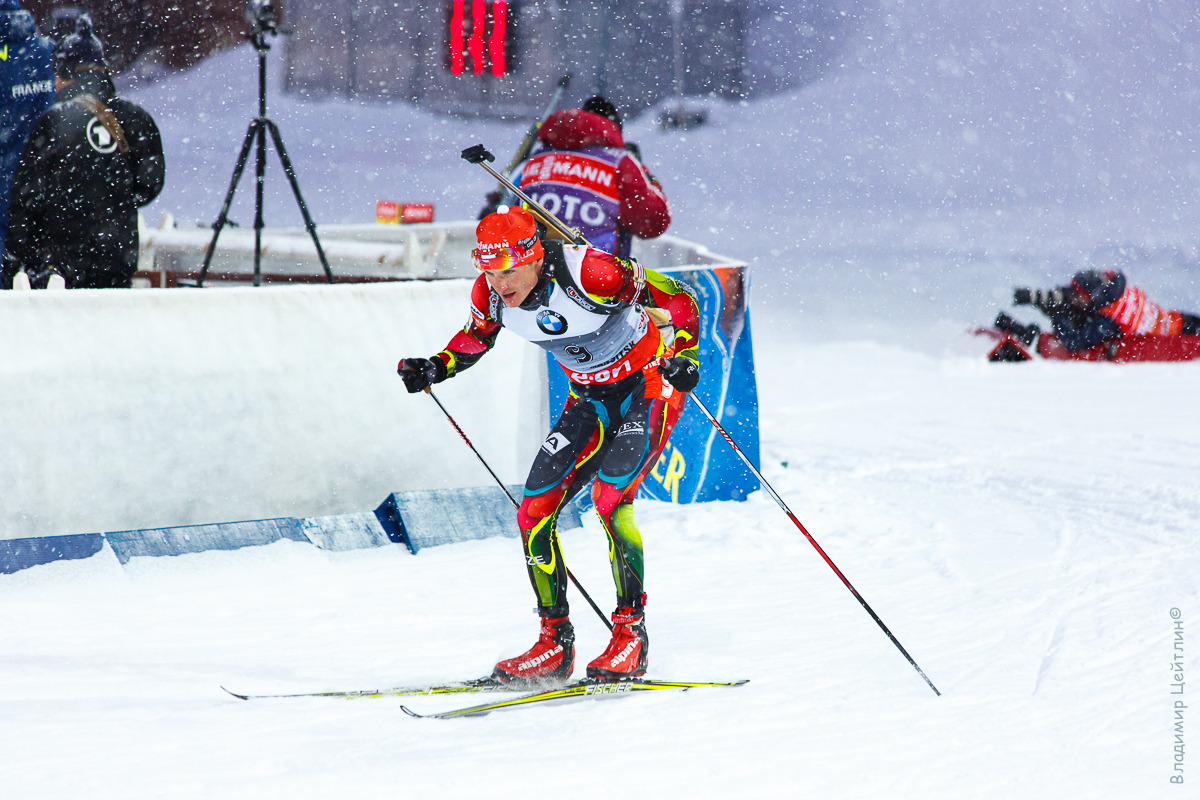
(388, 212)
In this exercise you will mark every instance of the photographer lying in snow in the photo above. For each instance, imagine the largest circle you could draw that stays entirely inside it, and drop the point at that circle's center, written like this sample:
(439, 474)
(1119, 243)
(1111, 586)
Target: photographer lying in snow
(1098, 306)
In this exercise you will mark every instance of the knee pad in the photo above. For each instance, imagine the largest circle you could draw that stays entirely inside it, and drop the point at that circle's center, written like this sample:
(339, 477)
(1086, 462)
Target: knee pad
(535, 509)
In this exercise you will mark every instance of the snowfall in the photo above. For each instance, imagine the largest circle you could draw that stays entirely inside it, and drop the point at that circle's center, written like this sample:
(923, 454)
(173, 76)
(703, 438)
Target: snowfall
(1027, 531)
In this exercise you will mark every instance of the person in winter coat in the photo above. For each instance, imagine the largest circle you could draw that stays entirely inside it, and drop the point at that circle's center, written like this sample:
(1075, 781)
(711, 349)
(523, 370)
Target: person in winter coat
(27, 83)
(582, 171)
(91, 161)
(591, 311)
(1100, 306)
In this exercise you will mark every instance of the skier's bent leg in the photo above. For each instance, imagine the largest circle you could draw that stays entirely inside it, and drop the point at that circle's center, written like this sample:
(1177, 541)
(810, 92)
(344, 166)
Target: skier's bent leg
(552, 657)
(614, 507)
(559, 470)
(538, 519)
(628, 651)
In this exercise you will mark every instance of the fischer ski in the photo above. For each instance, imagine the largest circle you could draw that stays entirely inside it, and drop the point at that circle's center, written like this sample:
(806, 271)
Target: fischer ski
(576, 690)
(488, 684)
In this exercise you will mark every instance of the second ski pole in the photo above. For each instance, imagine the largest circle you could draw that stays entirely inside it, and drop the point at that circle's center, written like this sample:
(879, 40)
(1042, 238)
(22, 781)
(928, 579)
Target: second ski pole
(775, 496)
(513, 500)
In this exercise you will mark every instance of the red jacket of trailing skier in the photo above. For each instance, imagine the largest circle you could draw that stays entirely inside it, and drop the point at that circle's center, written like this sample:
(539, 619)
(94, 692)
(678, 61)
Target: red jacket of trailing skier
(582, 172)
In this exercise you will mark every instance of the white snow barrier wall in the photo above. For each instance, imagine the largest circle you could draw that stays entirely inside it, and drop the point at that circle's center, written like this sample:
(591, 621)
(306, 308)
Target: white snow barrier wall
(143, 408)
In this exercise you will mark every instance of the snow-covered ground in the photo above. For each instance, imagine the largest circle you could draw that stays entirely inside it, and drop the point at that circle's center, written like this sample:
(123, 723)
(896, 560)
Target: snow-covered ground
(1026, 531)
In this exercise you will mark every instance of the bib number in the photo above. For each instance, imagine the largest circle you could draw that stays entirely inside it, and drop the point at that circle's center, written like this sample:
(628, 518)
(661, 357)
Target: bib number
(604, 375)
(580, 354)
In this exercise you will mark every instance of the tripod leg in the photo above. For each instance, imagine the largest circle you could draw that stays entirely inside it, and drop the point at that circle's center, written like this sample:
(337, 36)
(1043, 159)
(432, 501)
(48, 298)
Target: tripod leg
(251, 132)
(291, 174)
(260, 176)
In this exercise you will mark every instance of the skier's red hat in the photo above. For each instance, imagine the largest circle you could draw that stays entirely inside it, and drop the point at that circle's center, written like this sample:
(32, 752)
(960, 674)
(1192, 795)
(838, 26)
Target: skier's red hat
(506, 239)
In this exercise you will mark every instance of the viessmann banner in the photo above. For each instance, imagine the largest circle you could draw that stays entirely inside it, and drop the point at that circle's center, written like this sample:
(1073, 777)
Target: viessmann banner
(697, 464)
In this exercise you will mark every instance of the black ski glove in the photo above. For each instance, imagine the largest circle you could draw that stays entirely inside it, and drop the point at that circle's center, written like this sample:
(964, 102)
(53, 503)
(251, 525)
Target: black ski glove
(681, 372)
(420, 373)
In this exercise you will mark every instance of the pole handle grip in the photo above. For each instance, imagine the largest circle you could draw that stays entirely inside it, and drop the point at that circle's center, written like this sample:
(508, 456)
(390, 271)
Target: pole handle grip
(477, 154)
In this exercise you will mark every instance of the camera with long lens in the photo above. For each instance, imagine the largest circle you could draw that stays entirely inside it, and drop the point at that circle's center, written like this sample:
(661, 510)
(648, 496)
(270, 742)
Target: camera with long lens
(1044, 299)
(261, 16)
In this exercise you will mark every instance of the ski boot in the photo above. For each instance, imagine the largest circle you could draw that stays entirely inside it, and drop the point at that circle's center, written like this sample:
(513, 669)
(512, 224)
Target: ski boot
(551, 659)
(628, 652)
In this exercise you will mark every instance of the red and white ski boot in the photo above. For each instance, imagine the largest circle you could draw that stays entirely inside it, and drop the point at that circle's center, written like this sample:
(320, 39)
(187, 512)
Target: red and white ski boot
(628, 652)
(550, 660)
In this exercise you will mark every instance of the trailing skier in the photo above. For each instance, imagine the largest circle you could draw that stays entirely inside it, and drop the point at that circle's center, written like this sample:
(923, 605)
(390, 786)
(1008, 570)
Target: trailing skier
(583, 171)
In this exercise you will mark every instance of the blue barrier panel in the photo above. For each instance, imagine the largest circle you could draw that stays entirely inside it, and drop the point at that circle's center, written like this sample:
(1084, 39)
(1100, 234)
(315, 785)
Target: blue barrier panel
(388, 516)
(345, 531)
(697, 465)
(198, 538)
(416, 519)
(19, 554)
(442, 516)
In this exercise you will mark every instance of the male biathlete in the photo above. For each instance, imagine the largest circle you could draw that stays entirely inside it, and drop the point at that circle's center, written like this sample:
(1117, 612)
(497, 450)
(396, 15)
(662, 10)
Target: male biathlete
(627, 390)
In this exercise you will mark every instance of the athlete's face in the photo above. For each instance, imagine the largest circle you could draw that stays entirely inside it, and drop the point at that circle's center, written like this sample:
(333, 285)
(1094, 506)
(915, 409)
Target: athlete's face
(514, 285)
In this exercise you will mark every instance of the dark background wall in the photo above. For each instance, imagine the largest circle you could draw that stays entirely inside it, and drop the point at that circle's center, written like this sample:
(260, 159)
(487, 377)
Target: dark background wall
(636, 52)
(184, 31)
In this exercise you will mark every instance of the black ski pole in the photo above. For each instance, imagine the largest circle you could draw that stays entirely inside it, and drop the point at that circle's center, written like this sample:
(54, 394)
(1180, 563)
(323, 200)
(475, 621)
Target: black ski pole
(812, 541)
(512, 500)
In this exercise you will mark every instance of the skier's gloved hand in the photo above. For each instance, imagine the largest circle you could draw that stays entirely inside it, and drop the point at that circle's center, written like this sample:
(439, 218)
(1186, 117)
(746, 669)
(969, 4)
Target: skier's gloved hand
(1022, 297)
(419, 374)
(680, 371)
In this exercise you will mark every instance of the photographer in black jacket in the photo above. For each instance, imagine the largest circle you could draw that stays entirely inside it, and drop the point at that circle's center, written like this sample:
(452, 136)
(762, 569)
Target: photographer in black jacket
(91, 161)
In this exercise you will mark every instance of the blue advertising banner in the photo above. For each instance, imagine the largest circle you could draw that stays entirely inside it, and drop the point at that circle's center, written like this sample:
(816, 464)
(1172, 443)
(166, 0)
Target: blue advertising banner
(697, 465)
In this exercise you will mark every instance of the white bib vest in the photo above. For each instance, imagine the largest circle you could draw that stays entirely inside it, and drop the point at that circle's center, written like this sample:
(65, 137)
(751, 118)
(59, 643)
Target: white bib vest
(590, 339)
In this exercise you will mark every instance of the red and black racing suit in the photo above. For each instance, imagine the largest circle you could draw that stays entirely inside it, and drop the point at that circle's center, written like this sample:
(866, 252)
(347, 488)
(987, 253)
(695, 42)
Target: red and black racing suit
(589, 309)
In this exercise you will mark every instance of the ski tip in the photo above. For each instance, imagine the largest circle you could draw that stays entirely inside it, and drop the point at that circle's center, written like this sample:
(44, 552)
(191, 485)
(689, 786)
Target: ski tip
(235, 694)
(411, 713)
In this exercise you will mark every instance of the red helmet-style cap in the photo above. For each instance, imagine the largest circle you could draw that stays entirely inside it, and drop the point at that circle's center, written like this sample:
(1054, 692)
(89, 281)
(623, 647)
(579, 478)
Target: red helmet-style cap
(506, 239)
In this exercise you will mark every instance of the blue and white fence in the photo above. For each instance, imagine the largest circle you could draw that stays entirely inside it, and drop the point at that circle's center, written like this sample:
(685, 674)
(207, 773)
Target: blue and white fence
(416, 520)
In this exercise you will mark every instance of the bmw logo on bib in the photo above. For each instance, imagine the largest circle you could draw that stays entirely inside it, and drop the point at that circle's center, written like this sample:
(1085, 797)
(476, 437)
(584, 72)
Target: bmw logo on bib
(552, 322)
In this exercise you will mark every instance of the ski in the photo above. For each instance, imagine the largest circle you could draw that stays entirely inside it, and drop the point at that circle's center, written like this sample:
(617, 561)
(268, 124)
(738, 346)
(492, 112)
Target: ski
(576, 690)
(455, 687)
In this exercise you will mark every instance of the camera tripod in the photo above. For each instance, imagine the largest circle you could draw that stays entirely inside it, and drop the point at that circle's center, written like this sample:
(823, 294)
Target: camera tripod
(256, 135)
